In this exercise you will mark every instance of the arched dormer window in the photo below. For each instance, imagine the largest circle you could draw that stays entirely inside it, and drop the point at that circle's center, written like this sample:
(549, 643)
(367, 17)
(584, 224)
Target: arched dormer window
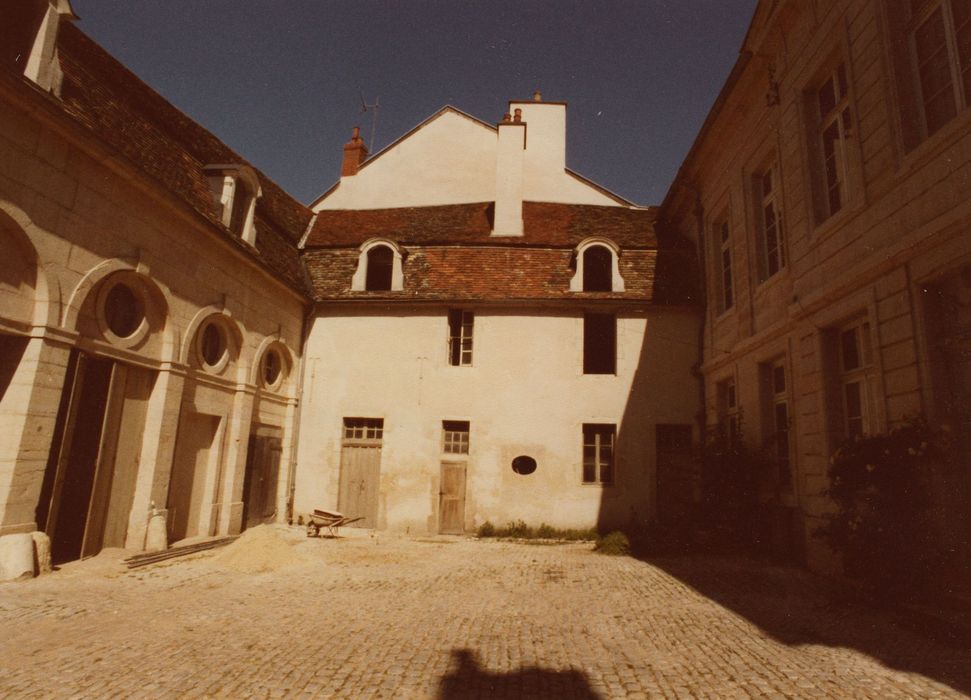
(597, 267)
(378, 267)
(235, 189)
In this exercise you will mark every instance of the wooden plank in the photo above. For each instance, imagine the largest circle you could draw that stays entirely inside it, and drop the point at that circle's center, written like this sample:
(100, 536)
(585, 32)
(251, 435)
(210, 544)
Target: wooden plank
(138, 389)
(104, 465)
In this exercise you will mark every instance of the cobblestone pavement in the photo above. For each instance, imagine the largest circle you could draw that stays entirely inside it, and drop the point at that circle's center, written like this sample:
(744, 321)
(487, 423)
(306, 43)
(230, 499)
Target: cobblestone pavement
(392, 617)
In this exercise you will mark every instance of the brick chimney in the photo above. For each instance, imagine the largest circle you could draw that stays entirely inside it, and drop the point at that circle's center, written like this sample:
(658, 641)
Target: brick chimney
(354, 154)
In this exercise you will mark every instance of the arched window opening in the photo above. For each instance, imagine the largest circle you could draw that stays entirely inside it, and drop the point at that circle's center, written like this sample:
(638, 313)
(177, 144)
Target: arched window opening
(597, 269)
(380, 264)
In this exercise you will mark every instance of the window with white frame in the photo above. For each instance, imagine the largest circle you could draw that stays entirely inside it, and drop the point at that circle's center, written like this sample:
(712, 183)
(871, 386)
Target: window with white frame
(379, 267)
(940, 33)
(370, 430)
(727, 407)
(380, 263)
(855, 360)
(777, 393)
(724, 282)
(455, 437)
(598, 269)
(460, 327)
(834, 128)
(768, 197)
(598, 453)
(597, 266)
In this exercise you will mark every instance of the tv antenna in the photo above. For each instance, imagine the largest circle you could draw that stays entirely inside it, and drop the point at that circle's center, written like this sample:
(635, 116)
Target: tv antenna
(373, 109)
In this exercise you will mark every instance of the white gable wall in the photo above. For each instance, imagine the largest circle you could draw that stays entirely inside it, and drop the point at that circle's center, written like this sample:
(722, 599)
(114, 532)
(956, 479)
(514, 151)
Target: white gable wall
(452, 160)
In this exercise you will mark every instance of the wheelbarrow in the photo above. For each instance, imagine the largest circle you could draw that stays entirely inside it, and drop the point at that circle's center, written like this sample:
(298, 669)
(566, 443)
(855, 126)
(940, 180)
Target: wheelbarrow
(329, 520)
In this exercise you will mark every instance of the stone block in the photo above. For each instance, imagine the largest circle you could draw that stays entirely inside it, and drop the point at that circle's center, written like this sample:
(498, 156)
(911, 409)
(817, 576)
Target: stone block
(42, 552)
(16, 557)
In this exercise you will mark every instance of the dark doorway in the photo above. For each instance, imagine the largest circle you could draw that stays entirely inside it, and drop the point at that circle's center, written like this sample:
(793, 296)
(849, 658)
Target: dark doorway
(675, 473)
(262, 476)
(89, 483)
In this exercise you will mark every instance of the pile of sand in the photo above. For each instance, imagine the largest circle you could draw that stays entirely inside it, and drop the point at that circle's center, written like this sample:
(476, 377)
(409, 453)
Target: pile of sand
(263, 548)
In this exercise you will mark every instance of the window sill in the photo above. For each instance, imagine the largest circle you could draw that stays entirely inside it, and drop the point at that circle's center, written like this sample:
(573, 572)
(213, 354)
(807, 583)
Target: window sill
(597, 485)
(840, 219)
(936, 144)
(766, 285)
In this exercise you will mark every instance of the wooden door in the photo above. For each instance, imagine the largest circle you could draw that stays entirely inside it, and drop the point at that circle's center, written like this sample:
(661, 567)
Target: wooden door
(87, 495)
(260, 484)
(675, 472)
(359, 483)
(451, 498)
(196, 453)
(117, 465)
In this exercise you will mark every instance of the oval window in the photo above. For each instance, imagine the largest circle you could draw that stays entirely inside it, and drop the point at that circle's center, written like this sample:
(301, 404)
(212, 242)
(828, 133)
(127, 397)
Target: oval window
(213, 345)
(272, 366)
(524, 465)
(123, 311)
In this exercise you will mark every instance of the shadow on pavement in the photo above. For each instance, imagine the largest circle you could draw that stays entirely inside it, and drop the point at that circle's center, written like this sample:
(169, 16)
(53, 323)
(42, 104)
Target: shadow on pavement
(796, 608)
(466, 679)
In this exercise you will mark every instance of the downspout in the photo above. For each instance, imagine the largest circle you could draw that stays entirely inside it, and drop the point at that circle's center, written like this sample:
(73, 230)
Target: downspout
(295, 440)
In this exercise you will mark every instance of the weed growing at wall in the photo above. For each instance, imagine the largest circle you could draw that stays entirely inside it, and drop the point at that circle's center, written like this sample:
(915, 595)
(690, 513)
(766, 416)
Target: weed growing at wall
(521, 531)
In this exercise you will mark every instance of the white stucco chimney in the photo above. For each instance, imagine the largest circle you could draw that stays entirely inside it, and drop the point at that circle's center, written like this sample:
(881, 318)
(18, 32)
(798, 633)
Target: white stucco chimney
(546, 147)
(510, 152)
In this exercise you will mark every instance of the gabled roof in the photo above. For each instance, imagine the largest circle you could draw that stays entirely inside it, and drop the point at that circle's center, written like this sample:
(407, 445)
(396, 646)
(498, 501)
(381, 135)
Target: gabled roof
(545, 224)
(155, 137)
(447, 109)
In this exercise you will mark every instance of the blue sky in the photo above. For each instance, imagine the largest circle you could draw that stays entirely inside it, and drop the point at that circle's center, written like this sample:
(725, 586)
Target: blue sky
(281, 81)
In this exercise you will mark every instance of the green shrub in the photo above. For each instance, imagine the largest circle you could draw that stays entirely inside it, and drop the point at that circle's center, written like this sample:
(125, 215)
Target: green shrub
(517, 529)
(546, 532)
(520, 530)
(881, 486)
(614, 543)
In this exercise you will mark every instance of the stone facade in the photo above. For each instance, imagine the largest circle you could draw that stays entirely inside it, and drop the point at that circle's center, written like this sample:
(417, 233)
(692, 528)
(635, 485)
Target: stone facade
(829, 194)
(135, 325)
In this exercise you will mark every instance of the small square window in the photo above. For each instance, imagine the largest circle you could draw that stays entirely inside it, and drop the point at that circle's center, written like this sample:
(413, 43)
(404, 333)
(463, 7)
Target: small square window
(455, 437)
(370, 429)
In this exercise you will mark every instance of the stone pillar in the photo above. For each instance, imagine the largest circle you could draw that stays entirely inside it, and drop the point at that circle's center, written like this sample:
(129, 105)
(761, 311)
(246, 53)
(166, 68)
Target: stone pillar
(28, 412)
(230, 507)
(158, 452)
(287, 461)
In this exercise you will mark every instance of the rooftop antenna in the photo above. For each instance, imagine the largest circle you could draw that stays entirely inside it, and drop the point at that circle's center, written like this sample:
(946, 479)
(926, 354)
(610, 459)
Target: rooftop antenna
(365, 107)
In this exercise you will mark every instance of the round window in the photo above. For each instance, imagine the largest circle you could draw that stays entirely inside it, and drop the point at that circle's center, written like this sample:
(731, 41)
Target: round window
(524, 465)
(123, 311)
(213, 344)
(272, 367)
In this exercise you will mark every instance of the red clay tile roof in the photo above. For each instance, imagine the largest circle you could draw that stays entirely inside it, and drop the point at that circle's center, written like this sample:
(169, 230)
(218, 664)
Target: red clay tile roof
(506, 273)
(449, 254)
(165, 144)
(544, 223)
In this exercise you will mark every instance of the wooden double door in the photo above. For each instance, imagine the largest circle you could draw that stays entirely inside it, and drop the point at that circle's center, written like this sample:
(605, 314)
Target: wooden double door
(89, 485)
(261, 483)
